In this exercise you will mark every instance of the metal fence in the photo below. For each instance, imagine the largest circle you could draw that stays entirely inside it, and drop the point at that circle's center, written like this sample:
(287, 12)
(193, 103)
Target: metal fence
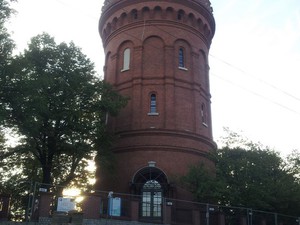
(99, 205)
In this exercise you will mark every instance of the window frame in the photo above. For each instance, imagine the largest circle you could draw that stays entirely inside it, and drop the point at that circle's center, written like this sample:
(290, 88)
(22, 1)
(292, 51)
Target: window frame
(204, 115)
(153, 105)
(126, 59)
(182, 59)
(152, 195)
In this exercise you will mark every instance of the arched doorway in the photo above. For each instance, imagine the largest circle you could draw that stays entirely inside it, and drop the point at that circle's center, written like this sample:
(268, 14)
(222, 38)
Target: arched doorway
(151, 199)
(152, 184)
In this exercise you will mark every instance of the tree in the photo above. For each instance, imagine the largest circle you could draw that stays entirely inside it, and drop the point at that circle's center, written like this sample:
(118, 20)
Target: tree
(257, 179)
(6, 44)
(2, 149)
(205, 186)
(10, 179)
(54, 101)
(250, 175)
(293, 164)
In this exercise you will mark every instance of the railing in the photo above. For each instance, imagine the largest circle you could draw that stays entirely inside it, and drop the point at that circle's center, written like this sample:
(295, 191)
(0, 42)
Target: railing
(101, 206)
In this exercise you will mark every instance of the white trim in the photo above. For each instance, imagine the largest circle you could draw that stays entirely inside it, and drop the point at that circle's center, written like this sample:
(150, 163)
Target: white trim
(153, 114)
(156, 167)
(182, 68)
(123, 70)
(126, 59)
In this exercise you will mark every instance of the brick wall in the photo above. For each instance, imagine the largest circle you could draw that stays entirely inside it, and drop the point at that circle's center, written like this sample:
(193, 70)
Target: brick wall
(175, 136)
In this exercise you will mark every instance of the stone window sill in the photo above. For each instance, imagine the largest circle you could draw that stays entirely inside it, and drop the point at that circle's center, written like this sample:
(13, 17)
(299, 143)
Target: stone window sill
(182, 68)
(153, 114)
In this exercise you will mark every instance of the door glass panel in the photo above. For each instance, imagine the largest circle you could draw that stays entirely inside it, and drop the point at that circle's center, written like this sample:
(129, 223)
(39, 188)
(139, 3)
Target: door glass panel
(152, 199)
(146, 204)
(157, 200)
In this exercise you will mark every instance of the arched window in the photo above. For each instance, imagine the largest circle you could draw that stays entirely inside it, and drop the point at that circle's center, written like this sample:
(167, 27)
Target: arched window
(134, 14)
(180, 15)
(152, 184)
(153, 104)
(181, 58)
(126, 59)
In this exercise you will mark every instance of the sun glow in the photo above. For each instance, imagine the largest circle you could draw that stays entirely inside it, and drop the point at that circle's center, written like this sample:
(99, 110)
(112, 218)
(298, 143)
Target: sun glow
(73, 193)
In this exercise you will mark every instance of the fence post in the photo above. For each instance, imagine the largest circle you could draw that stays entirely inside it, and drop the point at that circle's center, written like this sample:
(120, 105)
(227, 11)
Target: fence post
(134, 210)
(4, 207)
(91, 206)
(276, 218)
(33, 201)
(30, 196)
(167, 211)
(207, 214)
(44, 204)
(249, 216)
(243, 220)
(221, 219)
(196, 217)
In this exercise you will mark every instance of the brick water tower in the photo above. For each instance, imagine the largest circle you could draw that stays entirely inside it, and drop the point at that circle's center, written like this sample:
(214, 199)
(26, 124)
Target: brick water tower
(157, 55)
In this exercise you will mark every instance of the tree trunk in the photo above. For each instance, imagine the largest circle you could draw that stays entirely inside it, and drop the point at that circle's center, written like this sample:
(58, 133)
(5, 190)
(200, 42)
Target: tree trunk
(46, 181)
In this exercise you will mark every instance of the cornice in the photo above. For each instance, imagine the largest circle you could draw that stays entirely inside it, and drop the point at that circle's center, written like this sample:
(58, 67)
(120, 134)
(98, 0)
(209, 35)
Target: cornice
(165, 132)
(203, 7)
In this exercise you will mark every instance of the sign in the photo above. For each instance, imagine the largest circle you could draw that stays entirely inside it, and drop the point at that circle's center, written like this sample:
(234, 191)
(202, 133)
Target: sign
(65, 204)
(114, 206)
(43, 189)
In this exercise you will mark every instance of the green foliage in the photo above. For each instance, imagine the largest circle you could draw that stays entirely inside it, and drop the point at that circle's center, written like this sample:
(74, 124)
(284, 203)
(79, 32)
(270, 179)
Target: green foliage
(6, 47)
(257, 179)
(56, 103)
(250, 176)
(293, 164)
(2, 141)
(203, 184)
(50, 98)
(6, 44)
(5, 11)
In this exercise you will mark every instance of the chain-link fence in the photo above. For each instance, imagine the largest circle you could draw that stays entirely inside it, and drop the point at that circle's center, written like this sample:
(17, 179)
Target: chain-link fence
(47, 201)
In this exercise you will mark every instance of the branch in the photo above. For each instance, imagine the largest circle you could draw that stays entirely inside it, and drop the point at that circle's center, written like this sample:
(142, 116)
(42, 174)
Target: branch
(9, 153)
(71, 176)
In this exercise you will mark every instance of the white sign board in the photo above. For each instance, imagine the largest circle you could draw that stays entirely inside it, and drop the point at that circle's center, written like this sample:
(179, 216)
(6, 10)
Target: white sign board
(65, 204)
(115, 206)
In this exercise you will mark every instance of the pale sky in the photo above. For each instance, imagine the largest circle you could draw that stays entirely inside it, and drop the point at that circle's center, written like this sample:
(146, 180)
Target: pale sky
(254, 59)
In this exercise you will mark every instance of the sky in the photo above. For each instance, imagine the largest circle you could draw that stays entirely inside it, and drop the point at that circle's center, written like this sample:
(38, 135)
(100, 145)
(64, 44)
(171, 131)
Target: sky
(254, 60)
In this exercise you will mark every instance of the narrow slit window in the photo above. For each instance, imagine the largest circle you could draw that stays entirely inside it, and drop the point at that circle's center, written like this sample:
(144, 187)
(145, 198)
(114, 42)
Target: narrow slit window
(181, 57)
(126, 59)
(153, 103)
(203, 115)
